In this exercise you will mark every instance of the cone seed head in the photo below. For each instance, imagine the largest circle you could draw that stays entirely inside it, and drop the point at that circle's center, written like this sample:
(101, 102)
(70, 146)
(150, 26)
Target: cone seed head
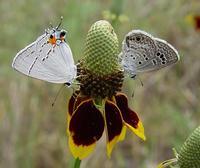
(99, 72)
(101, 50)
(189, 156)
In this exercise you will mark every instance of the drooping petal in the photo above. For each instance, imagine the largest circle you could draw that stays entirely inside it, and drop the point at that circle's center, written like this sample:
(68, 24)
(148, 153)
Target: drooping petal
(70, 109)
(85, 128)
(113, 125)
(197, 22)
(80, 99)
(130, 118)
(123, 133)
(74, 101)
(71, 105)
(194, 20)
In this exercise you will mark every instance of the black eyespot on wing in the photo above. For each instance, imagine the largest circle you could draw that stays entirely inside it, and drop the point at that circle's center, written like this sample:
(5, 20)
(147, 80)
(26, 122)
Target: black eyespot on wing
(51, 36)
(162, 56)
(158, 54)
(62, 34)
(127, 41)
(163, 59)
(138, 38)
(154, 61)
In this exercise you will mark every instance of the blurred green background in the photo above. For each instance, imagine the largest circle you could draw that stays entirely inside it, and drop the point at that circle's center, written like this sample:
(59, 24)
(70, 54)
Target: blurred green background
(32, 133)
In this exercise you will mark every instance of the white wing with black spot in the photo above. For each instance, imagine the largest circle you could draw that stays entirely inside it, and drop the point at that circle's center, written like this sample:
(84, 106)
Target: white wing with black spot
(44, 61)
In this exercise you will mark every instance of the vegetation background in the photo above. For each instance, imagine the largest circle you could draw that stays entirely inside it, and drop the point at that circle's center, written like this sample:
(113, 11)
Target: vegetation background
(32, 133)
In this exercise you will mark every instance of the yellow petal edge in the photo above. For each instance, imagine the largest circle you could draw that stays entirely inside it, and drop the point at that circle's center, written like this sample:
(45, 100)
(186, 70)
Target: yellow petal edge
(139, 131)
(80, 151)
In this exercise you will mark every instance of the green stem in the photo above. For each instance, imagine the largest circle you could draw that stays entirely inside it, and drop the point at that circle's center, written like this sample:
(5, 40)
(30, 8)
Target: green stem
(77, 163)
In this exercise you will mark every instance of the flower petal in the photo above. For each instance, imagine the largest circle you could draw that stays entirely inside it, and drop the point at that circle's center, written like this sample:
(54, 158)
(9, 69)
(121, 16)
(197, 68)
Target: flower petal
(75, 100)
(70, 109)
(123, 133)
(71, 105)
(130, 118)
(193, 20)
(85, 128)
(197, 22)
(80, 99)
(113, 125)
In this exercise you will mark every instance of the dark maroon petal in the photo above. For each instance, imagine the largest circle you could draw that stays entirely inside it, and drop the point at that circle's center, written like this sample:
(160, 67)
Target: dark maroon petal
(75, 100)
(113, 120)
(197, 22)
(87, 124)
(79, 100)
(71, 105)
(129, 116)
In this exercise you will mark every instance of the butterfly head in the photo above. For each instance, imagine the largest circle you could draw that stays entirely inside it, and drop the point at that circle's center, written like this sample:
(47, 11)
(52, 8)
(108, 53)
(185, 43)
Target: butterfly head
(57, 36)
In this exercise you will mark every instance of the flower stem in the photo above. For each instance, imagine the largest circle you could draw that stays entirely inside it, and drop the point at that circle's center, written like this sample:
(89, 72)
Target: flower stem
(77, 163)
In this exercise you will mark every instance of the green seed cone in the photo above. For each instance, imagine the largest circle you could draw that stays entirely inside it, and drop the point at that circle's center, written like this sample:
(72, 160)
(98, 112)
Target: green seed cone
(189, 155)
(99, 72)
(101, 50)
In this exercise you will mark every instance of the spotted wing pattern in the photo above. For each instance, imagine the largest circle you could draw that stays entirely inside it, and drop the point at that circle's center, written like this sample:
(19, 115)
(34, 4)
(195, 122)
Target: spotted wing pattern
(142, 52)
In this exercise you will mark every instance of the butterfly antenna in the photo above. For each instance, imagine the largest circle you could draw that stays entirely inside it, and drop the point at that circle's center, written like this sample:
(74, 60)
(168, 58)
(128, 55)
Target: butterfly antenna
(50, 24)
(140, 81)
(61, 19)
(58, 93)
(133, 93)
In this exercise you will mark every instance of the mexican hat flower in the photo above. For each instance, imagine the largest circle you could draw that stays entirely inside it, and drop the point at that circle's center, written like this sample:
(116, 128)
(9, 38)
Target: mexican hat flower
(194, 20)
(188, 155)
(99, 105)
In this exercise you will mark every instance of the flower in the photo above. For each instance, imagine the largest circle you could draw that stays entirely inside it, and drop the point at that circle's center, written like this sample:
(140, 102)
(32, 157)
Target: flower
(194, 20)
(87, 121)
(99, 104)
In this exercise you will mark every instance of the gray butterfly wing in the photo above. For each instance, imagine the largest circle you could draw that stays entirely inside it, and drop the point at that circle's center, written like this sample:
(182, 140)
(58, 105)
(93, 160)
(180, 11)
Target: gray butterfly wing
(40, 60)
(154, 55)
(166, 54)
(138, 48)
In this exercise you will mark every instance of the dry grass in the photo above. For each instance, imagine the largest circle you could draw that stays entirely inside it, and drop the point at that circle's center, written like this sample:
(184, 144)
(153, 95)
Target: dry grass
(32, 133)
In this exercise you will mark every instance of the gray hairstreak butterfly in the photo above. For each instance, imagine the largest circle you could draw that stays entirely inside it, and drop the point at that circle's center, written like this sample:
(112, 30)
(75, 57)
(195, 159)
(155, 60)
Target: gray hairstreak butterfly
(49, 58)
(141, 52)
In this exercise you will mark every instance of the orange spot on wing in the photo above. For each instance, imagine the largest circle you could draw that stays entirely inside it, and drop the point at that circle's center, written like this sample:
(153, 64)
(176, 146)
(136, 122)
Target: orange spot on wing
(52, 40)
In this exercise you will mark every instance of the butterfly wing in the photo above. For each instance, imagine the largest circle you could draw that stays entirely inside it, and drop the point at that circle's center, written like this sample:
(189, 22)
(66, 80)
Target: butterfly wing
(25, 58)
(43, 61)
(138, 48)
(153, 55)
